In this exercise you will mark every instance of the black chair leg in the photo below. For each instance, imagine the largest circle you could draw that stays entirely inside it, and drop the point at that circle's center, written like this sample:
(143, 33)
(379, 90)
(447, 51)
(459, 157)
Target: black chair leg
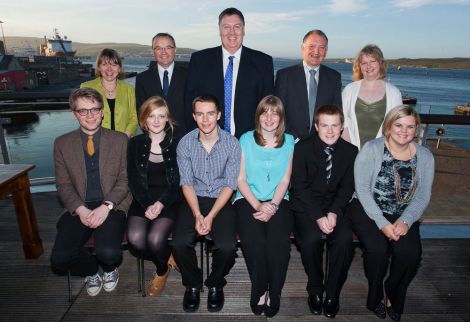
(69, 284)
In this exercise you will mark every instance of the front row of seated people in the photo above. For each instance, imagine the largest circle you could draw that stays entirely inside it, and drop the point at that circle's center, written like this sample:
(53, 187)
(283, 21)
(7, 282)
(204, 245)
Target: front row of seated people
(316, 188)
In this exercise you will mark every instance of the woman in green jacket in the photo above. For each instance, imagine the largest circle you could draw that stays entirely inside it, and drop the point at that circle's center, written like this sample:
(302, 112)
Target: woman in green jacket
(118, 96)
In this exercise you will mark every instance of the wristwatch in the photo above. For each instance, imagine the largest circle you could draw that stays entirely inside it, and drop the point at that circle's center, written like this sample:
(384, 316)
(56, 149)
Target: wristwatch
(108, 204)
(276, 206)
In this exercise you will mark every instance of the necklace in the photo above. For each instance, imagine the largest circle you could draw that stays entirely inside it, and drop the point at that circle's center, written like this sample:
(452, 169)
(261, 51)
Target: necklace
(268, 167)
(109, 92)
(397, 185)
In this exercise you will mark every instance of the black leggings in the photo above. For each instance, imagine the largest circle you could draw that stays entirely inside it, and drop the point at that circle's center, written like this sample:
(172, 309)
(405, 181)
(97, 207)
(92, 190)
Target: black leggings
(150, 239)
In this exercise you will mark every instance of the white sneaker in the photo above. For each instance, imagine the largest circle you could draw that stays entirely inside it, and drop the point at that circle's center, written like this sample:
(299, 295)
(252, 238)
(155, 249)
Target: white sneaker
(110, 280)
(94, 283)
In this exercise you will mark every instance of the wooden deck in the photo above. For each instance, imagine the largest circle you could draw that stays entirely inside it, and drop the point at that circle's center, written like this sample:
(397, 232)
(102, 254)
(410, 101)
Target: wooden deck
(29, 291)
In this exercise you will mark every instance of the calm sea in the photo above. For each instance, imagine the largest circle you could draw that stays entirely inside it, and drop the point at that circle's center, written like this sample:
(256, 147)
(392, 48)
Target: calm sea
(31, 137)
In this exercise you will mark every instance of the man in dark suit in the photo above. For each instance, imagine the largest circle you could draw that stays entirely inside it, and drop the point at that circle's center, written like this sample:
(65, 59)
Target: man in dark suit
(166, 78)
(322, 184)
(304, 87)
(239, 77)
(91, 178)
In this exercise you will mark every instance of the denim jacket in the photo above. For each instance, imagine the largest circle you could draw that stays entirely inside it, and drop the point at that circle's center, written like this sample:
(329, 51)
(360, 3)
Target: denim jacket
(138, 152)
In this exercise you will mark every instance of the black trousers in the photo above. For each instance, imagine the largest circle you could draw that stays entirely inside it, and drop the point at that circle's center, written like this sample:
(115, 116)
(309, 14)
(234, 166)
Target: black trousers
(222, 234)
(266, 247)
(340, 248)
(68, 252)
(403, 257)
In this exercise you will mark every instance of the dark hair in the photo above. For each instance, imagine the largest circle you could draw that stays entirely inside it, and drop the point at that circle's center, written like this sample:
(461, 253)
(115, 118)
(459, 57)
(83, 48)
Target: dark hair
(111, 55)
(86, 93)
(329, 109)
(369, 50)
(150, 105)
(274, 104)
(230, 12)
(206, 98)
(163, 35)
(315, 32)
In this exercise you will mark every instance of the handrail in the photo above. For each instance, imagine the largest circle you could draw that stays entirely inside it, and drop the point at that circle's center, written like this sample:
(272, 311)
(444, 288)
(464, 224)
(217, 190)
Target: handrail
(445, 119)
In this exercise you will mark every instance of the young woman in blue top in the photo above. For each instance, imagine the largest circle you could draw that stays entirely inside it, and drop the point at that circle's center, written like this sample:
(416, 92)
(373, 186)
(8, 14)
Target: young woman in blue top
(263, 216)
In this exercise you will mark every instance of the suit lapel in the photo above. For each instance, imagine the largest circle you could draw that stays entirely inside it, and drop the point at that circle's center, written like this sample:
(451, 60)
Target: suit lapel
(76, 149)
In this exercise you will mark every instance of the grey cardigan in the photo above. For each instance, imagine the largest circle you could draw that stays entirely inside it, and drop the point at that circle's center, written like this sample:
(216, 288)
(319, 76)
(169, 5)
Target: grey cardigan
(366, 169)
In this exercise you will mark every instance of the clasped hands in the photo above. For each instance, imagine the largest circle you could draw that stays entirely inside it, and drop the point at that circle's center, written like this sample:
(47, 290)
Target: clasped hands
(265, 211)
(396, 230)
(154, 210)
(203, 224)
(92, 218)
(327, 223)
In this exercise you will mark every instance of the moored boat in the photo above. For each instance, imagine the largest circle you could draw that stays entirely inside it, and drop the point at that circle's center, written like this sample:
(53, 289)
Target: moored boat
(462, 109)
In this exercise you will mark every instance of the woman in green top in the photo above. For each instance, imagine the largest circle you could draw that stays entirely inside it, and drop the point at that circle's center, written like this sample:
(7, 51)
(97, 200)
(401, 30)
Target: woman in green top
(368, 98)
(118, 97)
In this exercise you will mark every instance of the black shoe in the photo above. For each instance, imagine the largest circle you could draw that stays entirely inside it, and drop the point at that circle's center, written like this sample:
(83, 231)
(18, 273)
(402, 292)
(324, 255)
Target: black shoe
(392, 314)
(191, 299)
(380, 311)
(271, 311)
(215, 299)
(258, 309)
(330, 307)
(315, 304)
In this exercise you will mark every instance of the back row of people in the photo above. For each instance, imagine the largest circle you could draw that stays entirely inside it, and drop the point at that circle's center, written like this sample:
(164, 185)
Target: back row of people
(322, 183)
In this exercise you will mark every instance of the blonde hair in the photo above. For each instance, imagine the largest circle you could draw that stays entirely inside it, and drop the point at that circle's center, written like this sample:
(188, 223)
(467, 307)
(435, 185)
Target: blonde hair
(369, 50)
(397, 113)
(150, 105)
(274, 104)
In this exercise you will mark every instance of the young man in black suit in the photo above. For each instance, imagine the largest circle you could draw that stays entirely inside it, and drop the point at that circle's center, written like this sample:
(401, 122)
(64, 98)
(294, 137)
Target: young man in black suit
(166, 78)
(250, 76)
(300, 92)
(322, 184)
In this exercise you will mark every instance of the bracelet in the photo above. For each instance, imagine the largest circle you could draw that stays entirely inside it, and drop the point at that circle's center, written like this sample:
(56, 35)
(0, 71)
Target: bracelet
(276, 206)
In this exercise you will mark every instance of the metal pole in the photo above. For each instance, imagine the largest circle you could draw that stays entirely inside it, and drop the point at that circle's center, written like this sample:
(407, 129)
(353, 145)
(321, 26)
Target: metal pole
(3, 141)
(3, 36)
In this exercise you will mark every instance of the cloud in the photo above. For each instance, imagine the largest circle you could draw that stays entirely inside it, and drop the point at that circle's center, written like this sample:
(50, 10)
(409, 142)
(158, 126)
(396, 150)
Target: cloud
(274, 21)
(346, 6)
(413, 4)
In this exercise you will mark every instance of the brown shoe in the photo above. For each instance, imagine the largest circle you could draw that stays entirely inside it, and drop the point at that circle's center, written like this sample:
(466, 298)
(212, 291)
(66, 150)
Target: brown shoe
(158, 284)
(172, 264)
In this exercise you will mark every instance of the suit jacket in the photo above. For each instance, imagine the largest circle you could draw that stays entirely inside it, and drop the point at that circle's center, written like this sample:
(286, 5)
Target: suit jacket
(310, 194)
(148, 83)
(125, 118)
(291, 88)
(70, 169)
(255, 80)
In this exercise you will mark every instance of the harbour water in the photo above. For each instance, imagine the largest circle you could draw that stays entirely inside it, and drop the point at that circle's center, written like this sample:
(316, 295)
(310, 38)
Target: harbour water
(31, 137)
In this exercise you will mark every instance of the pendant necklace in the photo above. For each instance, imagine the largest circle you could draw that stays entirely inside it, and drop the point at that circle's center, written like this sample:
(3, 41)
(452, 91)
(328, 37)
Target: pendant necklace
(268, 166)
(108, 92)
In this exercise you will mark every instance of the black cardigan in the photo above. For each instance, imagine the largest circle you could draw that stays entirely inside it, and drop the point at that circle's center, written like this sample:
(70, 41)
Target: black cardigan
(138, 152)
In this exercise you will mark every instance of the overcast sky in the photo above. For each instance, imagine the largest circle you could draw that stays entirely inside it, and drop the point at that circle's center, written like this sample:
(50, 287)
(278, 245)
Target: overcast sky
(402, 28)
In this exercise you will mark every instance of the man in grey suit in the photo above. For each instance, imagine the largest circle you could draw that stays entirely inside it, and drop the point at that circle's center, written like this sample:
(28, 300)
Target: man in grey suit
(91, 179)
(238, 76)
(305, 87)
(166, 78)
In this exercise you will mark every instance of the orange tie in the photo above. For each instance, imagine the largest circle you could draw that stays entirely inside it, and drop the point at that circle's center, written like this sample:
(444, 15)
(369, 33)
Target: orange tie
(90, 147)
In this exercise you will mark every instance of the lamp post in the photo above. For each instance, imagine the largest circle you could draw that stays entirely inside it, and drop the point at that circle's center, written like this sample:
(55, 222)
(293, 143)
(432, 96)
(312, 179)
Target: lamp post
(3, 36)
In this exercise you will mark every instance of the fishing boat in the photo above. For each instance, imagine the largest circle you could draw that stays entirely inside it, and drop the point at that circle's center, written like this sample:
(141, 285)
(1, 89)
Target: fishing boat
(462, 109)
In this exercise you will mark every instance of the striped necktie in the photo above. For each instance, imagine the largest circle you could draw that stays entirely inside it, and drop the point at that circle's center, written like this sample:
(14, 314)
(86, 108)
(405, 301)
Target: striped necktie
(329, 162)
(228, 94)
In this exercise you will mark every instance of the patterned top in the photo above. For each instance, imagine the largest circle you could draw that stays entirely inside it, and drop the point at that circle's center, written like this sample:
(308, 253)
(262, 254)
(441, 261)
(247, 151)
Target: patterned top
(385, 191)
(209, 173)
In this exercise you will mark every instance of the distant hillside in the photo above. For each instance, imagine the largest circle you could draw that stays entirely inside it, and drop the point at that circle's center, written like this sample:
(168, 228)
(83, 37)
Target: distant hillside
(446, 63)
(26, 44)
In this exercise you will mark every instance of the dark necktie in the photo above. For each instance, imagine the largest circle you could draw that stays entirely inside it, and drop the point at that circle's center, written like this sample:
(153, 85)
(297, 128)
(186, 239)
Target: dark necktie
(329, 162)
(165, 83)
(228, 94)
(312, 95)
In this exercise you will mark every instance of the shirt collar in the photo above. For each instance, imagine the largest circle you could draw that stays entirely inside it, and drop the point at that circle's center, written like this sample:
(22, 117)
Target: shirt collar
(237, 54)
(170, 68)
(307, 68)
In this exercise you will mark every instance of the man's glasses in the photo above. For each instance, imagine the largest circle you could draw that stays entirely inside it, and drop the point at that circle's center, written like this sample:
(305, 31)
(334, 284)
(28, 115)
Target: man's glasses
(85, 111)
(167, 48)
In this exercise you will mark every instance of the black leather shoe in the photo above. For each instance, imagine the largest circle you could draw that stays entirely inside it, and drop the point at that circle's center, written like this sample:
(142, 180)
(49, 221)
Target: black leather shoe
(271, 311)
(380, 311)
(191, 299)
(330, 307)
(315, 304)
(215, 299)
(392, 314)
(257, 309)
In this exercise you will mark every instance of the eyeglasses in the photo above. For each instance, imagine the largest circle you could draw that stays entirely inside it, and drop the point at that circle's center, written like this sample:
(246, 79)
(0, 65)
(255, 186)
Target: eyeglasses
(167, 48)
(85, 112)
